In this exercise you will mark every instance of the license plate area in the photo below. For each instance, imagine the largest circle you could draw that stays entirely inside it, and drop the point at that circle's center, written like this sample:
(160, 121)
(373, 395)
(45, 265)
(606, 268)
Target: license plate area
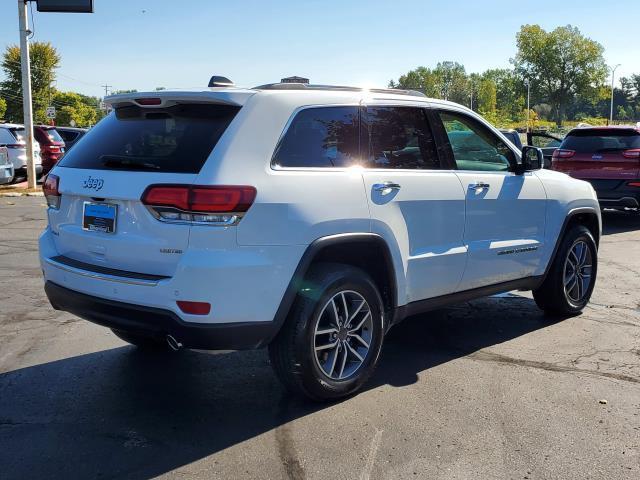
(99, 217)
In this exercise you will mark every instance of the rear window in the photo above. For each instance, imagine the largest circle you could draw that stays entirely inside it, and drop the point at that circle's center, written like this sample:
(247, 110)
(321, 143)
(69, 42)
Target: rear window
(176, 139)
(53, 134)
(68, 135)
(600, 141)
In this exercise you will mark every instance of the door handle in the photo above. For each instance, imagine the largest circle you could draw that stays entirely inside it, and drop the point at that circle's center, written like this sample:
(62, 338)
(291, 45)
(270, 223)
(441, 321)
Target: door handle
(479, 186)
(384, 186)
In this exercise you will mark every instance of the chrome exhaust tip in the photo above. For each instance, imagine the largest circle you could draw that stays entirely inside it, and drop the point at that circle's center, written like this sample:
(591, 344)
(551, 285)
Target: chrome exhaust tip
(174, 344)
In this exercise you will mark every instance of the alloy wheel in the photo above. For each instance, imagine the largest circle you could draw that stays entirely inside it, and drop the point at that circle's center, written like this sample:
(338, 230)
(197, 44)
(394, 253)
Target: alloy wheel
(577, 271)
(343, 335)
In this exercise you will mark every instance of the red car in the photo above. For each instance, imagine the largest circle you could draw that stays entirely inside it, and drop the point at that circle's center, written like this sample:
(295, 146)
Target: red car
(51, 145)
(608, 158)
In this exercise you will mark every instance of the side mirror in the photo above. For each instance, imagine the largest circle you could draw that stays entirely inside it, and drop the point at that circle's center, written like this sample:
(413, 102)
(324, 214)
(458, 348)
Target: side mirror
(532, 159)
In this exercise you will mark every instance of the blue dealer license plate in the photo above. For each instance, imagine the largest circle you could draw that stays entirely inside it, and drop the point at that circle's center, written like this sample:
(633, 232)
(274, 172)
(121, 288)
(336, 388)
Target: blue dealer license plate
(99, 217)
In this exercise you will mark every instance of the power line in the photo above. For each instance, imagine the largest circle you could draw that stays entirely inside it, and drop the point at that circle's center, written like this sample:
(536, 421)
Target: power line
(106, 89)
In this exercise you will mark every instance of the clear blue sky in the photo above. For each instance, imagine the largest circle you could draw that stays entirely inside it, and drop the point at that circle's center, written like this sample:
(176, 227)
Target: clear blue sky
(145, 44)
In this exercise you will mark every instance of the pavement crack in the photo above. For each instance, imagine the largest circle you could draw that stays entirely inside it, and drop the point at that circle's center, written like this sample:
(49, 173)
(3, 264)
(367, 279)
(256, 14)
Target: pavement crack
(551, 367)
(286, 448)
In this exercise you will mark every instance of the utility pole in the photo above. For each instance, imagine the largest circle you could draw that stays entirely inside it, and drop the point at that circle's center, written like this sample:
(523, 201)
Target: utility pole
(106, 89)
(613, 73)
(25, 67)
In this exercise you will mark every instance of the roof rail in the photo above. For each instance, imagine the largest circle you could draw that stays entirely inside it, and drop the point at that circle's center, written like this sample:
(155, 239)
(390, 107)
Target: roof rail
(340, 88)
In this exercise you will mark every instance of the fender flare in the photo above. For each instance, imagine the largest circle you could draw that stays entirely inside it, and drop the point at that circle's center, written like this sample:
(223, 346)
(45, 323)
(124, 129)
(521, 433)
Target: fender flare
(563, 230)
(312, 251)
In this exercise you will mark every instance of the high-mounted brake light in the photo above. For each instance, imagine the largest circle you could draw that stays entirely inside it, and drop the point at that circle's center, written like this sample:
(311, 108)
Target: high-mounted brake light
(215, 205)
(51, 191)
(633, 153)
(148, 101)
(562, 153)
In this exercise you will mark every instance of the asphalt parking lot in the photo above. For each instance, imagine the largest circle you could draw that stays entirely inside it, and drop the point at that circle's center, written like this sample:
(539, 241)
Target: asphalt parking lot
(488, 389)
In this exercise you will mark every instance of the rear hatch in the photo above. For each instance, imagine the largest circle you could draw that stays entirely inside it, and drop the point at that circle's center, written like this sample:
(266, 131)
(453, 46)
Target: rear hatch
(607, 157)
(102, 220)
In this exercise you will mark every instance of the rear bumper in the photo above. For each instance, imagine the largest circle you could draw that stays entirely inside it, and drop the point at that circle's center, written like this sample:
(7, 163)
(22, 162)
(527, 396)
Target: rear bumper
(617, 193)
(159, 323)
(621, 202)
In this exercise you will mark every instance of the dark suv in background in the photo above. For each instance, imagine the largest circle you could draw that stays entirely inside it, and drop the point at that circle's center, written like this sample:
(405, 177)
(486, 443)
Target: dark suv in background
(608, 158)
(52, 145)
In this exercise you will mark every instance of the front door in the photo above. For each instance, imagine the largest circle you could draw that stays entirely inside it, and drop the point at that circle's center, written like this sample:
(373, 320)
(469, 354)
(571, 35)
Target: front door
(416, 203)
(505, 211)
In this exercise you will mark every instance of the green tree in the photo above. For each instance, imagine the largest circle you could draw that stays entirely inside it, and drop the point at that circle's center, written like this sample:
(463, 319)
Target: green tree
(73, 107)
(510, 91)
(487, 96)
(561, 64)
(44, 61)
(3, 107)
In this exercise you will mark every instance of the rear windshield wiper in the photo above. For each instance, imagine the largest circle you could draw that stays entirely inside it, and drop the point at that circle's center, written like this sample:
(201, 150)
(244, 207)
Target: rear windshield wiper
(124, 161)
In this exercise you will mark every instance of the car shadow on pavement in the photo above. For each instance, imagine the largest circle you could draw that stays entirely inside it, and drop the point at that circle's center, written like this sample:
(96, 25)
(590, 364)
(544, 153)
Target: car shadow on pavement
(614, 221)
(120, 413)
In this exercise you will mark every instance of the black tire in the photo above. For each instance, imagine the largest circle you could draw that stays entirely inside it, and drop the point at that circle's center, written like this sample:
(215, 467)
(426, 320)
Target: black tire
(552, 296)
(293, 351)
(145, 343)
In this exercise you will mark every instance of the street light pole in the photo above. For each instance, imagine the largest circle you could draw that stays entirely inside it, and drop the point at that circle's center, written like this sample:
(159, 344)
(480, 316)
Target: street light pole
(26, 91)
(613, 73)
(528, 84)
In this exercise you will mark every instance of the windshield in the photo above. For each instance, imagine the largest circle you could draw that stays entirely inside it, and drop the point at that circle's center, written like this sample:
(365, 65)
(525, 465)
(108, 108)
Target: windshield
(600, 141)
(176, 139)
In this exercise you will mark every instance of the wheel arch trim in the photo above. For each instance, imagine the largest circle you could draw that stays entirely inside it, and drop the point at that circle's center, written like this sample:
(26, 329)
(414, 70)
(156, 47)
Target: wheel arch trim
(313, 251)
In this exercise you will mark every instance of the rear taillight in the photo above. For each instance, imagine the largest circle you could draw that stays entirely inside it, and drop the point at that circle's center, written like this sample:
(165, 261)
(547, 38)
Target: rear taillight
(633, 153)
(634, 184)
(562, 153)
(54, 148)
(51, 191)
(214, 205)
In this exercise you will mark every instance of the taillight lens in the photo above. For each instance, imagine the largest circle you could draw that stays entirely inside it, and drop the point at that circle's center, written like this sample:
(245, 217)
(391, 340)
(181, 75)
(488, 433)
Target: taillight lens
(51, 191)
(216, 205)
(563, 153)
(634, 184)
(633, 153)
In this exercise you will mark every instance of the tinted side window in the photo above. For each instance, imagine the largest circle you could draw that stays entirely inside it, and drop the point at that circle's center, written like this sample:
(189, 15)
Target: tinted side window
(320, 137)
(398, 137)
(474, 146)
(6, 138)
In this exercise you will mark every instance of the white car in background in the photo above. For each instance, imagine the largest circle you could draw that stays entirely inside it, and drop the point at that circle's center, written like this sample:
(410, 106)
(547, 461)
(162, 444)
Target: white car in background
(309, 219)
(12, 137)
(6, 167)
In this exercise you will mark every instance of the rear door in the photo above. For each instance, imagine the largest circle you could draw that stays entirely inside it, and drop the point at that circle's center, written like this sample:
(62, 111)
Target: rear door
(416, 201)
(505, 212)
(101, 219)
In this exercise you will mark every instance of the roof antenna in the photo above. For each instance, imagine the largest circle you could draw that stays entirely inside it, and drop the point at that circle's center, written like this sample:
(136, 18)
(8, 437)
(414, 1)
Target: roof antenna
(217, 81)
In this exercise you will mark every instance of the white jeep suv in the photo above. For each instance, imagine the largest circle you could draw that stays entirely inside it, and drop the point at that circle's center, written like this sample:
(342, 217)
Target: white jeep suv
(309, 219)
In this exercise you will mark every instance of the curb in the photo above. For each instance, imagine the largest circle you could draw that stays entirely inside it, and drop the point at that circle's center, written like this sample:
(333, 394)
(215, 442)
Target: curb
(22, 194)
